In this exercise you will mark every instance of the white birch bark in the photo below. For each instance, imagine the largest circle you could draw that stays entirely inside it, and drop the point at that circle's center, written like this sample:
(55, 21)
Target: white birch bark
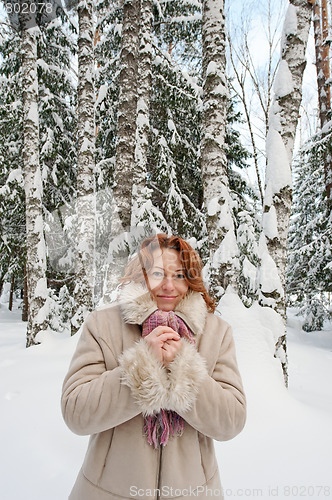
(126, 119)
(222, 242)
(85, 202)
(35, 242)
(141, 193)
(125, 148)
(279, 148)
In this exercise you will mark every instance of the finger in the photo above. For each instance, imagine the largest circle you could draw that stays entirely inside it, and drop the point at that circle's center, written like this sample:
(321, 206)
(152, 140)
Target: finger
(173, 345)
(168, 336)
(173, 342)
(163, 329)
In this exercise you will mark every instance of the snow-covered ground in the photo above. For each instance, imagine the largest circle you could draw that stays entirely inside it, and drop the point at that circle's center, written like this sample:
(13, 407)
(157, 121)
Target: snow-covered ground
(285, 450)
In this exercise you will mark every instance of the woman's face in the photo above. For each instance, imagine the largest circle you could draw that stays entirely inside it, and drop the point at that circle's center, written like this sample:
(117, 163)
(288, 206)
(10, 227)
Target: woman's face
(167, 279)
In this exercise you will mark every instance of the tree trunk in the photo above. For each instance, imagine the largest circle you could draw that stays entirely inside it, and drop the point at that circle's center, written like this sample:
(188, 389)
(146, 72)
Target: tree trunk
(126, 122)
(322, 50)
(140, 193)
(85, 203)
(326, 66)
(326, 52)
(222, 242)
(25, 306)
(125, 148)
(322, 64)
(36, 250)
(279, 147)
(11, 293)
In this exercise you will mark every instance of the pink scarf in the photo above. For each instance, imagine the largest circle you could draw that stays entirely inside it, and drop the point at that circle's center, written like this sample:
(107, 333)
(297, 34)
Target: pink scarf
(158, 428)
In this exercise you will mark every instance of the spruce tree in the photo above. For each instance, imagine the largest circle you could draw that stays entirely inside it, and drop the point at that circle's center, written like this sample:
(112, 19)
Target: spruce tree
(309, 264)
(12, 205)
(56, 101)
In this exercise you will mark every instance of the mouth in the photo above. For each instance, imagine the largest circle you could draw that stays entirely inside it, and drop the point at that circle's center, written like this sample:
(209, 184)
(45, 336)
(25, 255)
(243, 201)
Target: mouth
(167, 297)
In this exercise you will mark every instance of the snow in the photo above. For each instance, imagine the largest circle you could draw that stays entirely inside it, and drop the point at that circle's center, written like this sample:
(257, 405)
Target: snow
(284, 450)
(249, 271)
(212, 68)
(58, 121)
(15, 175)
(290, 25)
(213, 206)
(102, 93)
(268, 275)
(278, 172)
(41, 289)
(284, 84)
(227, 252)
(287, 438)
(219, 90)
(270, 223)
(87, 145)
(33, 113)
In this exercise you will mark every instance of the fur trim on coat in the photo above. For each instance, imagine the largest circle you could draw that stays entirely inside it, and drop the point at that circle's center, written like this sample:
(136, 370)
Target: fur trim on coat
(154, 386)
(137, 304)
(146, 376)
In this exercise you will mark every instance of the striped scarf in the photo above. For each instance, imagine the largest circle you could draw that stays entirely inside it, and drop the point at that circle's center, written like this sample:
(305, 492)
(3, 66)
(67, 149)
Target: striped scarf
(158, 428)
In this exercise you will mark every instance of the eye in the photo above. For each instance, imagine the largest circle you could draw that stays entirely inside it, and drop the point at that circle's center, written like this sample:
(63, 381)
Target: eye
(158, 274)
(180, 276)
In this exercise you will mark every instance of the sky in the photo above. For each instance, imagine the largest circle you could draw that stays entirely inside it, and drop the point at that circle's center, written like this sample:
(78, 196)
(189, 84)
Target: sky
(254, 15)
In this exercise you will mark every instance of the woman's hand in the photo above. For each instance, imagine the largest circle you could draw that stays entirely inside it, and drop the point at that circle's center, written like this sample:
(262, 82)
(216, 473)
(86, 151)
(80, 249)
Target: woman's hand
(170, 348)
(165, 343)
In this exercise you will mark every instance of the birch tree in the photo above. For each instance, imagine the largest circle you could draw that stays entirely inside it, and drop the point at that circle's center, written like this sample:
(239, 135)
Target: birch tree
(279, 149)
(223, 247)
(125, 147)
(35, 242)
(140, 193)
(126, 119)
(85, 202)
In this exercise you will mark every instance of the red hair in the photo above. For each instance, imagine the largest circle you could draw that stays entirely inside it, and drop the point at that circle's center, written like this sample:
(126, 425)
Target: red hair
(141, 264)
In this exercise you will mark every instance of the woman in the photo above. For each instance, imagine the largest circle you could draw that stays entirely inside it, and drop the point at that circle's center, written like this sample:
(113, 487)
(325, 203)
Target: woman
(154, 380)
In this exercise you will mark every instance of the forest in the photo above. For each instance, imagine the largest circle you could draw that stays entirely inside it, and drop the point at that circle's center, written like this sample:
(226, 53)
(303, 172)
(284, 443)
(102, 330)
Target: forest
(124, 118)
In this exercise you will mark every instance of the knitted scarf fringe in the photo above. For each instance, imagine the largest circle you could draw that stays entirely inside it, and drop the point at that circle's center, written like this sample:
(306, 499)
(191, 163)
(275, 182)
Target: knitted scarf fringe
(160, 427)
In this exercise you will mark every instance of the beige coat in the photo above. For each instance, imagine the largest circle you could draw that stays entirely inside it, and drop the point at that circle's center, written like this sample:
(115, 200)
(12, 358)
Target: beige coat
(114, 379)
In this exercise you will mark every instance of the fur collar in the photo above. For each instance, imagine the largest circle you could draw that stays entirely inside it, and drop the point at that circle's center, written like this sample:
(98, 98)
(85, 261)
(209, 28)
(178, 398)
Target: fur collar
(136, 305)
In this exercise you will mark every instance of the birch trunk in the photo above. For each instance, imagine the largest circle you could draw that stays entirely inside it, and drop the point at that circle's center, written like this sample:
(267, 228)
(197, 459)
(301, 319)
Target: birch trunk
(140, 192)
(279, 148)
(126, 121)
(35, 242)
(85, 202)
(222, 242)
(125, 148)
(25, 295)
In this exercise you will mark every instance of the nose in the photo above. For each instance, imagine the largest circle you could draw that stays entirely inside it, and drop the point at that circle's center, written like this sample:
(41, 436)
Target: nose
(168, 283)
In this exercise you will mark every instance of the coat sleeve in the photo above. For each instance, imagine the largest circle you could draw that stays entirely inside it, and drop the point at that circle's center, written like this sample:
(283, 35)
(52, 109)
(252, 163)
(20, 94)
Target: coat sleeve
(146, 377)
(219, 408)
(93, 398)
